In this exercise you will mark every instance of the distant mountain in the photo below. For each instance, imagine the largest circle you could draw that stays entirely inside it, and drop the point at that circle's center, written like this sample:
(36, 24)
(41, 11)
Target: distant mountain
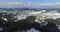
(24, 9)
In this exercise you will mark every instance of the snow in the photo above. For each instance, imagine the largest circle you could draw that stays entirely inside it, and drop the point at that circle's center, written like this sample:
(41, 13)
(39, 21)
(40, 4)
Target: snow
(38, 12)
(4, 19)
(31, 30)
(59, 26)
(1, 29)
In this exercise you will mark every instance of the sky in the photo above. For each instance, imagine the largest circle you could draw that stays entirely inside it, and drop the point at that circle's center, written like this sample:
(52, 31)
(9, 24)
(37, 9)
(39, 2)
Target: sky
(30, 3)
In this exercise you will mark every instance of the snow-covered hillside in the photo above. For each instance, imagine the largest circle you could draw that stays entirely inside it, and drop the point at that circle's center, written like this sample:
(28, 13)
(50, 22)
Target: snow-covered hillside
(43, 14)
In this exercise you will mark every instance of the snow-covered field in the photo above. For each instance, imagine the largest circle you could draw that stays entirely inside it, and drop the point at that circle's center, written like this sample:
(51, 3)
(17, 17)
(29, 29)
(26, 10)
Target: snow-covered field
(39, 14)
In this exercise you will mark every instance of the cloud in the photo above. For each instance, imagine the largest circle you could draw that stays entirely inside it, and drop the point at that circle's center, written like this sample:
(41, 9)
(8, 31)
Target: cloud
(44, 4)
(30, 4)
(10, 3)
(58, 3)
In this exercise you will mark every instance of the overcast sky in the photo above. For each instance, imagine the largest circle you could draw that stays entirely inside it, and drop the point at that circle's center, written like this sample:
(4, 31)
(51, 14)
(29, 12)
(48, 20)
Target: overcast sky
(30, 3)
